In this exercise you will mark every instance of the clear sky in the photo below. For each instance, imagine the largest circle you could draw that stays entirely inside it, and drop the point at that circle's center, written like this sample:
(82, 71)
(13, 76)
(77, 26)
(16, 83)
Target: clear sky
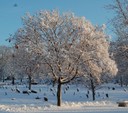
(11, 12)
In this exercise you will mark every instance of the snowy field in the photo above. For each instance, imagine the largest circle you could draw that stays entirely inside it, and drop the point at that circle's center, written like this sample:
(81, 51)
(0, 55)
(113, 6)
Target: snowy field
(74, 99)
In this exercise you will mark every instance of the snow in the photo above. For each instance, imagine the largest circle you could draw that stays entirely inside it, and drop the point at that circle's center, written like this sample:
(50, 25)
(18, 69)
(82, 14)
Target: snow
(73, 100)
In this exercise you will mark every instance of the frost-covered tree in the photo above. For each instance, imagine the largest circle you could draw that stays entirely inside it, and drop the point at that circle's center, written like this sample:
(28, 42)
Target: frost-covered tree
(120, 54)
(120, 27)
(23, 59)
(27, 63)
(5, 55)
(56, 44)
(69, 46)
(11, 68)
(28, 49)
(96, 63)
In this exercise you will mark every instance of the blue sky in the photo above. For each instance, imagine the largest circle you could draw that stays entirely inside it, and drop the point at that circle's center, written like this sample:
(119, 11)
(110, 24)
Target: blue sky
(10, 16)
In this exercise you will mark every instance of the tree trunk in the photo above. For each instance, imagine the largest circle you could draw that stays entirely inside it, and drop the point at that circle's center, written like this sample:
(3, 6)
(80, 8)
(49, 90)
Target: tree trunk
(93, 90)
(59, 92)
(121, 81)
(30, 81)
(3, 78)
(13, 80)
(21, 80)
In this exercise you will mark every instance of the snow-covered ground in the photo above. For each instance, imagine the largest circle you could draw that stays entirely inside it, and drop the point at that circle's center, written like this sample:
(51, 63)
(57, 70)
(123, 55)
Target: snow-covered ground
(74, 99)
